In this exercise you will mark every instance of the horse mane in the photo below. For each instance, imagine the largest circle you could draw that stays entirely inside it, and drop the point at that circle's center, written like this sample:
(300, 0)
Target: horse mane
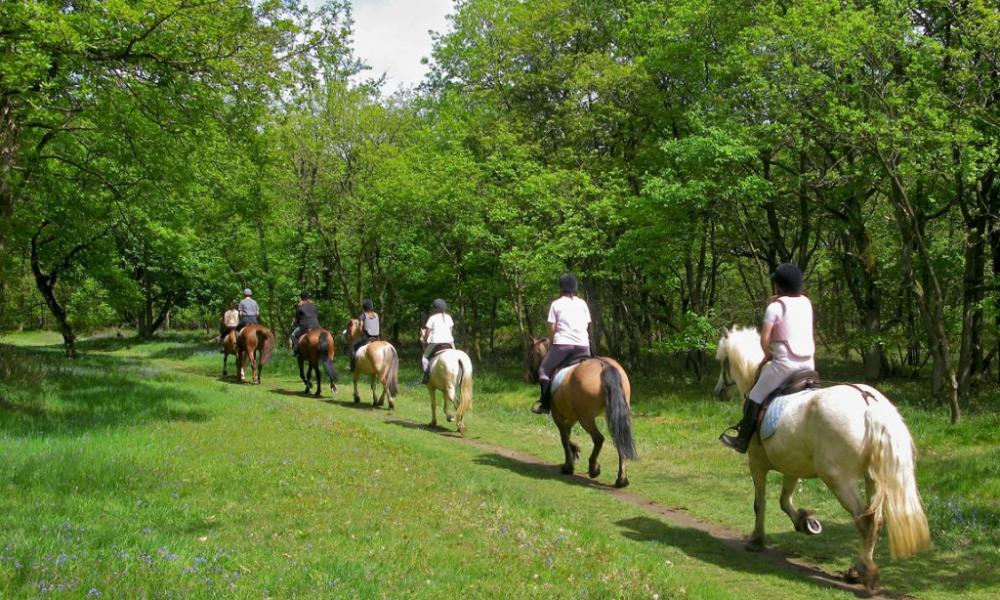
(741, 346)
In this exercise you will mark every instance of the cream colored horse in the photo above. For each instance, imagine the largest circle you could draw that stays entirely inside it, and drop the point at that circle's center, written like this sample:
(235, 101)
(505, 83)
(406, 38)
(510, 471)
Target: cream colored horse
(841, 435)
(451, 372)
(379, 361)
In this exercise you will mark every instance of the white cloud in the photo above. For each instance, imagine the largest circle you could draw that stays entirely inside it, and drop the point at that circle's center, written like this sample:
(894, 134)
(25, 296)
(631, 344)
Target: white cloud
(391, 36)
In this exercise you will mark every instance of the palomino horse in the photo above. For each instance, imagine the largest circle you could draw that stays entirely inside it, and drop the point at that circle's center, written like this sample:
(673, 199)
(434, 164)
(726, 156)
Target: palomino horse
(451, 372)
(379, 361)
(315, 346)
(228, 347)
(255, 344)
(840, 434)
(593, 386)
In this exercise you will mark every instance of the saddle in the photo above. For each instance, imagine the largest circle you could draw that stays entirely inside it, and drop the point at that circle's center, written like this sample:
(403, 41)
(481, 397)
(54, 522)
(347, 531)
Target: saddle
(799, 381)
(563, 370)
(439, 349)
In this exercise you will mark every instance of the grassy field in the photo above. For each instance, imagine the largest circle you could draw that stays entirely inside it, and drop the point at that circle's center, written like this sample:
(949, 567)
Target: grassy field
(137, 472)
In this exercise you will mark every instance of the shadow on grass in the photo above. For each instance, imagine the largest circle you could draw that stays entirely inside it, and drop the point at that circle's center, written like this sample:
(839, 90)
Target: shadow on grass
(45, 394)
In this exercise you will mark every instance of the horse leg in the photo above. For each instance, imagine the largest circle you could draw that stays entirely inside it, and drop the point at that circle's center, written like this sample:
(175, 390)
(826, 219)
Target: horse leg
(564, 431)
(303, 377)
(758, 471)
(225, 363)
(319, 379)
(434, 417)
(594, 467)
(864, 570)
(449, 400)
(802, 519)
(357, 398)
(375, 399)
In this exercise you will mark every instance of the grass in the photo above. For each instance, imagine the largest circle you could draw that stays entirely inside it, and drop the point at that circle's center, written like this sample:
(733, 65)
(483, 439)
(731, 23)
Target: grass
(135, 471)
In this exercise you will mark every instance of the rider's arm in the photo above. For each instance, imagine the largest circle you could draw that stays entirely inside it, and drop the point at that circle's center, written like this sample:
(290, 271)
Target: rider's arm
(765, 339)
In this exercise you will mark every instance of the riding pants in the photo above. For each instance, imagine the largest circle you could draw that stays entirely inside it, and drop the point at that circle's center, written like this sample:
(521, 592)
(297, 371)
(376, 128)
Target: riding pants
(559, 355)
(295, 335)
(777, 371)
(425, 360)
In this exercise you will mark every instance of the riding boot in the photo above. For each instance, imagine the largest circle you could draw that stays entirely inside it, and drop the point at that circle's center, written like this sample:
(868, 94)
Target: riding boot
(747, 425)
(426, 378)
(544, 405)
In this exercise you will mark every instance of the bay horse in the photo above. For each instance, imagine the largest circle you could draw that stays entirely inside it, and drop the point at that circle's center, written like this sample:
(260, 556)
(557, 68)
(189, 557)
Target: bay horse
(377, 359)
(229, 346)
(317, 346)
(451, 373)
(840, 434)
(254, 344)
(596, 385)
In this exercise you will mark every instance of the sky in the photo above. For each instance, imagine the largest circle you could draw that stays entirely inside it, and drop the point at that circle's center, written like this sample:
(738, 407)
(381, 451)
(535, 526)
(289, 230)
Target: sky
(391, 36)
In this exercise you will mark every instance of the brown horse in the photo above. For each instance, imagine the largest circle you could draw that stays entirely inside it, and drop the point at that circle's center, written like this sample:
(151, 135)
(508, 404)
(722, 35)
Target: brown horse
(379, 360)
(594, 386)
(255, 343)
(314, 346)
(228, 347)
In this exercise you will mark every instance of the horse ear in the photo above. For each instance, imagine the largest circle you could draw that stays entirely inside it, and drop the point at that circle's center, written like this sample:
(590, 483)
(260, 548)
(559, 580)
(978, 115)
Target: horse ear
(724, 332)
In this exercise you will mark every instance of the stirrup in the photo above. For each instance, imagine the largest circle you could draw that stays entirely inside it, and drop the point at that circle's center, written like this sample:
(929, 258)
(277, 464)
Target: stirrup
(539, 409)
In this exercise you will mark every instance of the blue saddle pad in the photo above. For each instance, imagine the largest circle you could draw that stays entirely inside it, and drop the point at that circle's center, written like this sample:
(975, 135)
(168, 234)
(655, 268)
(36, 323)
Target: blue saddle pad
(776, 410)
(559, 377)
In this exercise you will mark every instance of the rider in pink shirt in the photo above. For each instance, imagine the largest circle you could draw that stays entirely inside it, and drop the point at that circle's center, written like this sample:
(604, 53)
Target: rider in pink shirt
(787, 340)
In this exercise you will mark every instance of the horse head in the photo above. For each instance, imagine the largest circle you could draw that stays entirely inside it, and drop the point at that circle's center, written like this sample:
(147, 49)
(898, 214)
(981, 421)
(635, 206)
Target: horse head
(352, 331)
(535, 351)
(739, 353)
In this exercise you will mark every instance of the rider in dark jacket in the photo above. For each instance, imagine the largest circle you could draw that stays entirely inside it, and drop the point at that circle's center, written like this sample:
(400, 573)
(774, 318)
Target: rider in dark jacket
(306, 318)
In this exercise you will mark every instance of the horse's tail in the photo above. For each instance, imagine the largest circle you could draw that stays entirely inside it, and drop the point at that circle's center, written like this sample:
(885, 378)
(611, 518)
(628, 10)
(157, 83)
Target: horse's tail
(616, 411)
(265, 341)
(392, 374)
(464, 384)
(891, 457)
(324, 350)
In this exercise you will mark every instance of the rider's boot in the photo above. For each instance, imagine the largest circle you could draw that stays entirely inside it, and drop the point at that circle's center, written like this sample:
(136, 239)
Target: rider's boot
(426, 378)
(544, 405)
(747, 425)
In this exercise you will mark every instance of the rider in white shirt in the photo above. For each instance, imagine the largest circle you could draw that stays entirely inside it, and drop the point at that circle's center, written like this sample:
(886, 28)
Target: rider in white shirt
(787, 340)
(569, 317)
(437, 333)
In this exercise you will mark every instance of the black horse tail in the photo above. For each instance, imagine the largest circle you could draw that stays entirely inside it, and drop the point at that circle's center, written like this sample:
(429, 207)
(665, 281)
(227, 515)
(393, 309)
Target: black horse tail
(392, 375)
(265, 341)
(616, 411)
(324, 350)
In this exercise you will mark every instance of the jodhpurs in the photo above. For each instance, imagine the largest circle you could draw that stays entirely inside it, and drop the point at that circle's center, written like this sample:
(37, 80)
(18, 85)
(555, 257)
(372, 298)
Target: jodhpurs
(776, 372)
(425, 360)
(559, 355)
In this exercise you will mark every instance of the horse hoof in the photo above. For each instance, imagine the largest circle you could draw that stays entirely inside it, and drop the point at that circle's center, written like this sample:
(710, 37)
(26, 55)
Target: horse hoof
(357, 400)
(567, 469)
(595, 472)
(622, 483)
(754, 546)
(392, 405)
(433, 424)
(451, 419)
(461, 429)
(813, 526)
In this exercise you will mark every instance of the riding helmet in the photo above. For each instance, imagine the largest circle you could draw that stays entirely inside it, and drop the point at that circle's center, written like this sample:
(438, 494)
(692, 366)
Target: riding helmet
(304, 295)
(788, 278)
(368, 304)
(439, 305)
(246, 292)
(567, 283)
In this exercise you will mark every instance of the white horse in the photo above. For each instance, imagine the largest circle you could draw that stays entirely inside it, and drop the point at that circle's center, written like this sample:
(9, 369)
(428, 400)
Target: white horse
(451, 372)
(839, 434)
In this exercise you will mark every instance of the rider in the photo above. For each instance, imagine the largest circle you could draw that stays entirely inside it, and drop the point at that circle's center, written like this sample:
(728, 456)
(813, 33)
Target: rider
(787, 340)
(306, 318)
(370, 329)
(249, 311)
(569, 317)
(437, 333)
(230, 319)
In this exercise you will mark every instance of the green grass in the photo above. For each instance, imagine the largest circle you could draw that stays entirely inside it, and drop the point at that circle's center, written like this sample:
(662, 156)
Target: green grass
(135, 471)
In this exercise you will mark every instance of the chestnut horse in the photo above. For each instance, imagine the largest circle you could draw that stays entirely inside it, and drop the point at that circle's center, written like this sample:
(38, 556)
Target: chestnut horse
(841, 434)
(255, 344)
(593, 386)
(314, 346)
(377, 359)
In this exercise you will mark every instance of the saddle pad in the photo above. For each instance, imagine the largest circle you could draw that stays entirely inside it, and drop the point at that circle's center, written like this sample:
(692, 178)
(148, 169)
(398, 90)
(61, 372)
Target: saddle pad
(776, 410)
(559, 377)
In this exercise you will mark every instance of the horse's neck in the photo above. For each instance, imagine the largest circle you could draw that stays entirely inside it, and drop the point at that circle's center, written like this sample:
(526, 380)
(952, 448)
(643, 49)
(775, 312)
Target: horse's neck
(746, 377)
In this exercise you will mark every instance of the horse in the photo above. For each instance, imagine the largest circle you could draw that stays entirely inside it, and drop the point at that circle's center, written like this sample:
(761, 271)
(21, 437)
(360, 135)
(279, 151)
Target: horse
(255, 344)
(377, 359)
(840, 434)
(315, 346)
(597, 384)
(229, 346)
(451, 372)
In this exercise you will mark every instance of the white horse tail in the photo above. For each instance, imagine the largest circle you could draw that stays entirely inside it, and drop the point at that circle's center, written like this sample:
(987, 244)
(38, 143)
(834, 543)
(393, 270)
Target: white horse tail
(464, 384)
(891, 457)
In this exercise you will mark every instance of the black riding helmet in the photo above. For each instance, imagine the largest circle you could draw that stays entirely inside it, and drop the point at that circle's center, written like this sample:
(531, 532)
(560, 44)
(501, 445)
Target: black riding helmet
(788, 278)
(567, 283)
(439, 305)
(304, 295)
(368, 304)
